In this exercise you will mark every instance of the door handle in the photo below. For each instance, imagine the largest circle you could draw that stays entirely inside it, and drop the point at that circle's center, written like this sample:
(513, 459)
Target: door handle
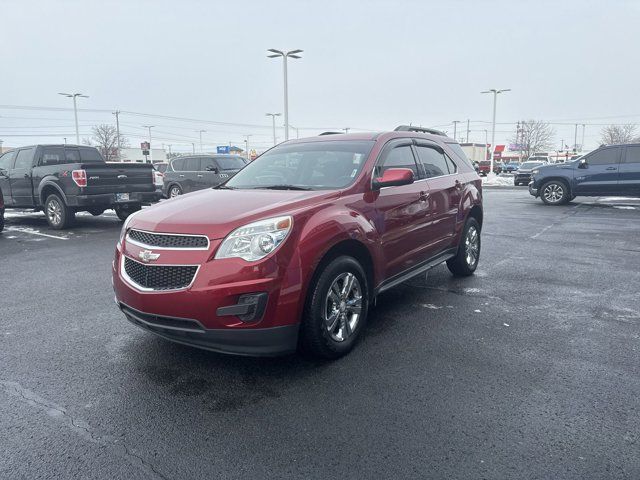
(458, 185)
(181, 175)
(199, 176)
(424, 196)
(612, 168)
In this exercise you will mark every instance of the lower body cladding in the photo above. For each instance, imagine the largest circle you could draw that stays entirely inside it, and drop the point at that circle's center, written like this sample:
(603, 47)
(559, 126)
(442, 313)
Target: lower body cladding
(250, 316)
(532, 191)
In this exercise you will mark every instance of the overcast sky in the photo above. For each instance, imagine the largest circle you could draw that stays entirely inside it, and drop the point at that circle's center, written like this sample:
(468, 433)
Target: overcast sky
(366, 65)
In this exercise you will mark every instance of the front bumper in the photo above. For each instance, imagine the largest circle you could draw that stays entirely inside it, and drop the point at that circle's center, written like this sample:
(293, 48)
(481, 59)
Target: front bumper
(108, 200)
(272, 341)
(533, 191)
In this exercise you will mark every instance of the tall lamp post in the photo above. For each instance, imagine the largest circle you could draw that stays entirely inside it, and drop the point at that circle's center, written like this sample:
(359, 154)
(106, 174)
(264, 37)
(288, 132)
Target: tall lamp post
(150, 145)
(246, 143)
(75, 110)
(493, 123)
(290, 54)
(273, 123)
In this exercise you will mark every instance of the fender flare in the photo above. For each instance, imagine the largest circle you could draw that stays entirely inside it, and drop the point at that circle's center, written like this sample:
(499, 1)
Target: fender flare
(47, 182)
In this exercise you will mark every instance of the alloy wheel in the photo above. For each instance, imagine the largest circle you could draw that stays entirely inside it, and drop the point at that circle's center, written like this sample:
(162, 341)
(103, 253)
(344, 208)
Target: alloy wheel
(472, 246)
(54, 212)
(553, 192)
(175, 191)
(343, 306)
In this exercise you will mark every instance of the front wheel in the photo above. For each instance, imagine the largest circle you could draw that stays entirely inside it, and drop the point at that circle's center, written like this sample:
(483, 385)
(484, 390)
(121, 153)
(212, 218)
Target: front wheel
(124, 211)
(58, 215)
(174, 191)
(555, 192)
(336, 309)
(466, 260)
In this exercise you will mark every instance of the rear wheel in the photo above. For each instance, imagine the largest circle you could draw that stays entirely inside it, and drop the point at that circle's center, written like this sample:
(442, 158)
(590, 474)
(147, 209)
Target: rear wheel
(174, 191)
(555, 192)
(58, 215)
(466, 260)
(96, 212)
(336, 310)
(125, 210)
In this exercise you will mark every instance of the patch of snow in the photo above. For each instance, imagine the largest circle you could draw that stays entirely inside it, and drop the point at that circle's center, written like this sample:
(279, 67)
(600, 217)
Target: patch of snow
(477, 311)
(506, 324)
(624, 207)
(497, 181)
(618, 199)
(431, 306)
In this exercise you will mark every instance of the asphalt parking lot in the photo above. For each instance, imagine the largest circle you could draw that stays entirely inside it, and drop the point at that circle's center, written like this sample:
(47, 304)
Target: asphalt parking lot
(529, 369)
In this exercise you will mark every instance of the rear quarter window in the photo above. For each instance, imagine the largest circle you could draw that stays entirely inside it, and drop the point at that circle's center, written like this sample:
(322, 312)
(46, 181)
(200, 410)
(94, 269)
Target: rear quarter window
(459, 153)
(90, 155)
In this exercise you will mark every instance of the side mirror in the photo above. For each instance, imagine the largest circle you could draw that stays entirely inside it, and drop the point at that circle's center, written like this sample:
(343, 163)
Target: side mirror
(394, 177)
(3, 172)
(583, 163)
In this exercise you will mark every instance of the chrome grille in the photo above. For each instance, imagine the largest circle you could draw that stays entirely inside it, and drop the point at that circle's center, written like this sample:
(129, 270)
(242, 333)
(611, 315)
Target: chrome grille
(159, 277)
(167, 240)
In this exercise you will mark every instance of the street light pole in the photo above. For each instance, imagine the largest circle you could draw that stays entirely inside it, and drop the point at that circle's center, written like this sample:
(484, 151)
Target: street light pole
(289, 54)
(273, 123)
(455, 129)
(150, 145)
(246, 146)
(493, 122)
(75, 110)
(117, 114)
(582, 145)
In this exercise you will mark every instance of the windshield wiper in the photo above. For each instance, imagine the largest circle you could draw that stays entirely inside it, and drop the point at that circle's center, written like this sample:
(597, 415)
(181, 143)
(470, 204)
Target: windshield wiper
(225, 187)
(284, 187)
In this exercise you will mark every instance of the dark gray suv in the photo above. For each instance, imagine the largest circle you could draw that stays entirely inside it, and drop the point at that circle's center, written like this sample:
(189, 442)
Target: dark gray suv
(195, 172)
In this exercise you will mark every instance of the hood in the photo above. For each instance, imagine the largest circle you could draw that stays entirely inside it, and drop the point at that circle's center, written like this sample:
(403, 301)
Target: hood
(216, 213)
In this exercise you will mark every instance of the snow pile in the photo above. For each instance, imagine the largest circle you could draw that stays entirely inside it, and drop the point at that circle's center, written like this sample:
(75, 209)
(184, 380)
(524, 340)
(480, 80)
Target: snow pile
(497, 181)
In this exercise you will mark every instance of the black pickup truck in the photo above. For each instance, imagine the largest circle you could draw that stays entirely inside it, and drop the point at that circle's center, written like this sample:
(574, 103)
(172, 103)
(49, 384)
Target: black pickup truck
(64, 179)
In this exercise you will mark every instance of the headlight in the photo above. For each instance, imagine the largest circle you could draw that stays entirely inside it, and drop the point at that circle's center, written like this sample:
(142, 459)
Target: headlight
(256, 240)
(535, 172)
(125, 225)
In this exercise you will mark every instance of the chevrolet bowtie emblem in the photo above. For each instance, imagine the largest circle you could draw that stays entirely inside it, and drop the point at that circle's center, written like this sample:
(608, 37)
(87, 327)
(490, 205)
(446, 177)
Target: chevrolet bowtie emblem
(148, 256)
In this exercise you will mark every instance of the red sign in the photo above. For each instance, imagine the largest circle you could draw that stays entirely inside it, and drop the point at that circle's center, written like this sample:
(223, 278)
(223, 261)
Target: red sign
(145, 146)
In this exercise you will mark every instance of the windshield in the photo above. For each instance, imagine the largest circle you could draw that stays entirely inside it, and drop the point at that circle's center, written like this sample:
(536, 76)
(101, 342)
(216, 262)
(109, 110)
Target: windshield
(230, 163)
(161, 167)
(313, 166)
(526, 165)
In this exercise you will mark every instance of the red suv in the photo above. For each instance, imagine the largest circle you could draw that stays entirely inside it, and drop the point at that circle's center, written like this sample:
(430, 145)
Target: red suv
(293, 250)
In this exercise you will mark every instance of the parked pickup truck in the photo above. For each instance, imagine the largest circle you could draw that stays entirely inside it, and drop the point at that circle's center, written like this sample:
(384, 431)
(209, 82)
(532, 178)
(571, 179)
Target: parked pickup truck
(64, 179)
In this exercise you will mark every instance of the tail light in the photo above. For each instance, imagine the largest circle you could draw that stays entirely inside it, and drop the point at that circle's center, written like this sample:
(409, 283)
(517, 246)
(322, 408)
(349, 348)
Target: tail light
(79, 177)
(158, 178)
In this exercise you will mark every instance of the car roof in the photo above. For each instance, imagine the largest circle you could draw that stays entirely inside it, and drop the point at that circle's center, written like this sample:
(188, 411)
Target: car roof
(372, 136)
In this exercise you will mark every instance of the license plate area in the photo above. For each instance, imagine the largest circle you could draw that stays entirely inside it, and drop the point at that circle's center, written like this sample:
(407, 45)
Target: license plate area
(122, 197)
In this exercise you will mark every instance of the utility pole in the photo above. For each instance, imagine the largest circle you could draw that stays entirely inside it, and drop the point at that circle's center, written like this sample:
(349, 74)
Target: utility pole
(495, 93)
(169, 145)
(273, 125)
(289, 54)
(65, 140)
(150, 145)
(193, 145)
(575, 139)
(346, 129)
(455, 128)
(117, 114)
(468, 130)
(246, 146)
(75, 110)
(582, 145)
(201, 132)
(297, 131)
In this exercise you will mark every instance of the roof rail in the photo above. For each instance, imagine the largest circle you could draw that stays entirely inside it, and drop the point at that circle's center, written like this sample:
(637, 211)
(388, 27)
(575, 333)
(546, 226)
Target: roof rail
(411, 128)
(330, 133)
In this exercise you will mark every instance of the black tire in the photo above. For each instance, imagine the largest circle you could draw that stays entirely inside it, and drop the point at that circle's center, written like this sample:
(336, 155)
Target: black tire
(173, 191)
(1, 220)
(466, 260)
(59, 216)
(124, 211)
(555, 192)
(517, 184)
(317, 338)
(96, 212)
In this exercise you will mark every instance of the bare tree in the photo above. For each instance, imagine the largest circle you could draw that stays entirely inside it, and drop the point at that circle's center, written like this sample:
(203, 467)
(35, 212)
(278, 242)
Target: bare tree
(105, 138)
(613, 134)
(534, 136)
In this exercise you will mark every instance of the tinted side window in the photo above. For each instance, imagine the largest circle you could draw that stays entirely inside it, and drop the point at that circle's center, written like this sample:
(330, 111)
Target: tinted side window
(6, 161)
(633, 155)
(399, 157)
(606, 156)
(52, 156)
(24, 159)
(207, 164)
(71, 155)
(90, 155)
(178, 164)
(433, 161)
(192, 164)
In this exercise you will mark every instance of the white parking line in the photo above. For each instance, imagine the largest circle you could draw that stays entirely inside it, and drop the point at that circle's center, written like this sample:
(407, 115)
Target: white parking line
(31, 231)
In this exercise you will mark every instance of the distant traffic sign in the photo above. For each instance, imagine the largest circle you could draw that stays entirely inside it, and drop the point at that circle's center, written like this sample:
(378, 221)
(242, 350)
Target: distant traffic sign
(145, 146)
(222, 148)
